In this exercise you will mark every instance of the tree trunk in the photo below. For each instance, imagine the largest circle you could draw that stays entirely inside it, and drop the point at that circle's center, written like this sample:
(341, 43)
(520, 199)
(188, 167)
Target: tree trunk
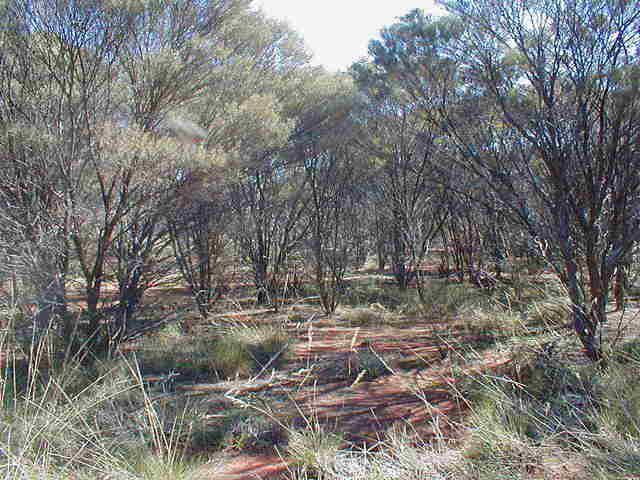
(261, 281)
(584, 321)
(51, 303)
(620, 287)
(398, 258)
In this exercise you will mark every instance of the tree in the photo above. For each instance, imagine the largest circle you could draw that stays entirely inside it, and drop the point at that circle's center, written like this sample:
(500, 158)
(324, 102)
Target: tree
(540, 101)
(198, 225)
(269, 222)
(402, 148)
(106, 84)
(270, 193)
(336, 233)
(56, 67)
(119, 215)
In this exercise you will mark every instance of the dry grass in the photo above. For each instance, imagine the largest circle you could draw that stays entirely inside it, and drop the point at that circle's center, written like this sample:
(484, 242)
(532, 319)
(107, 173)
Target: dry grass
(543, 415)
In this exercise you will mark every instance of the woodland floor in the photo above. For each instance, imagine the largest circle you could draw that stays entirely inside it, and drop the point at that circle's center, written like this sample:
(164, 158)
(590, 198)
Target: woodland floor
(322, 381)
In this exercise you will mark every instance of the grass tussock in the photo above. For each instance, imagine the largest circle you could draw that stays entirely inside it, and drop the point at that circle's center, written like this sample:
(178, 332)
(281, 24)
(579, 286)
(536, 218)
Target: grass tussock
(249, 431)
(444, 300)
(235, 350)
(365, 293)
(552, 416)
(99, 431)
(249, 349)
(313, 450)
(548, 313)
(491, 324)
(400, 457)
(370, 316)
(353, 366)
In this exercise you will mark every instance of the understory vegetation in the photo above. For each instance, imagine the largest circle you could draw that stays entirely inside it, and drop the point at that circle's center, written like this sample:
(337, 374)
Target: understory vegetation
(175, 403)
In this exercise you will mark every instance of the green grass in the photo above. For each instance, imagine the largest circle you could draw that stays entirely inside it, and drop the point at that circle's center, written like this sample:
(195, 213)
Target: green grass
(235, 350)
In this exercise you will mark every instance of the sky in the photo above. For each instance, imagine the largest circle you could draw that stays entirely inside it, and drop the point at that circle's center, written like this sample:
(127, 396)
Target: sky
(338, 31)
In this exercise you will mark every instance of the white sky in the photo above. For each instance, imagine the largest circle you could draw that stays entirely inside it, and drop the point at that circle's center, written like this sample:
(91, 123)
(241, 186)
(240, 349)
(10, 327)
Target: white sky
(338, 31)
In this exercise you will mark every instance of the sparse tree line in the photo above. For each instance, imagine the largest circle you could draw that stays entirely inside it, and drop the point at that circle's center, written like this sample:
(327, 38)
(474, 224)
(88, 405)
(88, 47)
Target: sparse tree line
(141, 140)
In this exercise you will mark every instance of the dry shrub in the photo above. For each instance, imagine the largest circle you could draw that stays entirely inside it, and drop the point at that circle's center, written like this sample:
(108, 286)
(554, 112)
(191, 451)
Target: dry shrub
(359, 317)
(550, 313)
